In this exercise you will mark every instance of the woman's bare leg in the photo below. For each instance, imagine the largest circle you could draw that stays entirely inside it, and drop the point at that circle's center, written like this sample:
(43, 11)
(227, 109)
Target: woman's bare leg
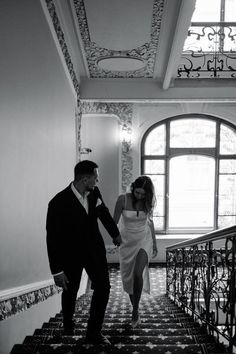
(140, 263)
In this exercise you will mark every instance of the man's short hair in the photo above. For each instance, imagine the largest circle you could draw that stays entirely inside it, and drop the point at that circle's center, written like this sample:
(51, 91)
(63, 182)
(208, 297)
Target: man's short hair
(83, 168)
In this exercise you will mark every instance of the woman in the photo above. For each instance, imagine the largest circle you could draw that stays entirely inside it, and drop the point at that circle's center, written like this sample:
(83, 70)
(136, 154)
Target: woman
(138, 239)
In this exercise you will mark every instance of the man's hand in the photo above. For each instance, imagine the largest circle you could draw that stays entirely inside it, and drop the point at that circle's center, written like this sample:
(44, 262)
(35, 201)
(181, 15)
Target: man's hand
(61, 280)
(117, 241)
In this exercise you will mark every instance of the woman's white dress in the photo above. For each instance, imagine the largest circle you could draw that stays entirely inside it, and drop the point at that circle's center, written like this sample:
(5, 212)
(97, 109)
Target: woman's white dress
(136, 235)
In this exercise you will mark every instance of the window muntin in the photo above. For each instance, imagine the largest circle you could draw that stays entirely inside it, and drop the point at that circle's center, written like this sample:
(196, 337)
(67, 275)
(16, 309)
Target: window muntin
(217, 145)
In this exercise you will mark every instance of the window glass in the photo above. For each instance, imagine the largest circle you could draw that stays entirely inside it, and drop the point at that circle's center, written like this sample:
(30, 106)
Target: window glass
(192, 133)
(159, 185)
(227, 140)
(206, 11)
(158, 222)
(230, 10)
(191, 193)
(154, 166)
(227, 166)
(226, 221)
(207, 41)
(230, 41)
(189, 181)
(156, 141)
(212, 38)
(227, 195)
(159, 210)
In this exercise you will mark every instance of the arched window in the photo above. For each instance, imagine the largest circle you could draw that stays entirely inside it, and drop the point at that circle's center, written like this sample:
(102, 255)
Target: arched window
(192, 162)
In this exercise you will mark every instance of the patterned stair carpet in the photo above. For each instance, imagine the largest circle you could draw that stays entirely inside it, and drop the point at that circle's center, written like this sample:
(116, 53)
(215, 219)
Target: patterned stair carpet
(164, 327)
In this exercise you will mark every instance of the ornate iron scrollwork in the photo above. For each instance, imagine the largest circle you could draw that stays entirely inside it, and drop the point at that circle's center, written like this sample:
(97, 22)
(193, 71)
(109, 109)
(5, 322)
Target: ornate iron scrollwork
(210, 51)
(202, 279)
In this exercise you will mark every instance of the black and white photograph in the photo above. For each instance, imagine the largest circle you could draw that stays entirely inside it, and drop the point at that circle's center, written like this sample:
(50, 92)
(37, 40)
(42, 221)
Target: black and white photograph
(118, 176)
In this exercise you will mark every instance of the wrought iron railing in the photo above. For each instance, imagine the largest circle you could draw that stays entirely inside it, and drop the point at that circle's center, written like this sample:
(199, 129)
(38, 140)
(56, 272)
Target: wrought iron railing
(201, 279)
(209, 51)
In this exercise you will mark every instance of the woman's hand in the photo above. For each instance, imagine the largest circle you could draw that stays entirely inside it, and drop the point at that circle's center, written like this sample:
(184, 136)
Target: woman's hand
(154, 252)
(117, 241)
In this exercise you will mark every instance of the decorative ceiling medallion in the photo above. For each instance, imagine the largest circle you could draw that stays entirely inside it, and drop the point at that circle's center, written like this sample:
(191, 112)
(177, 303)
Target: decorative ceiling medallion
(119, 63)
(145, 53)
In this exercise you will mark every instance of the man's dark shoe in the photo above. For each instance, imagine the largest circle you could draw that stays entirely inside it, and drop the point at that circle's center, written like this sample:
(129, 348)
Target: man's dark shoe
(68, 331)
(68, 328)
(97, 339)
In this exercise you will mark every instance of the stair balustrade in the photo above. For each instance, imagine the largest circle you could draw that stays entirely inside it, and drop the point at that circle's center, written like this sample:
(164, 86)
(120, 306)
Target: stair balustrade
(200, 278)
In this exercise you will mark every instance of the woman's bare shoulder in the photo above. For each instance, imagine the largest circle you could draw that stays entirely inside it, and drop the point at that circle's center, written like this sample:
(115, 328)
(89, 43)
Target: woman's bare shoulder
(121, 199)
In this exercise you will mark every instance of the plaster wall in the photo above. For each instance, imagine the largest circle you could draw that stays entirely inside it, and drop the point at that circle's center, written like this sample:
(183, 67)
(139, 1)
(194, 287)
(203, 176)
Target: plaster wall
(37, 139)
(100, 133)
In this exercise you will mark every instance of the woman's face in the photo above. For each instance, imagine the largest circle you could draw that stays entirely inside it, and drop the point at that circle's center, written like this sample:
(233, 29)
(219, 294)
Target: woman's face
(139, 193)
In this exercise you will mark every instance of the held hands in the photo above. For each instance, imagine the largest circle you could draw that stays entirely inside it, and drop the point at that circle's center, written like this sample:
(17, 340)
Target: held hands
(117, 241)
(154, 251)
(61, 280)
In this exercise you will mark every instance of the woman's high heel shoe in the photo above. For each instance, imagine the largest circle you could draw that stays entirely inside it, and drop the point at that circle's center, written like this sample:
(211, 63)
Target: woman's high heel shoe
(135, 320)
(135, 323)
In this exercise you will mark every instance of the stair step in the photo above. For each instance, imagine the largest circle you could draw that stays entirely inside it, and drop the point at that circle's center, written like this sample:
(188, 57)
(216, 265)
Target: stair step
(164, 329)
(119, 348)
(130, 339)
(120, 328)
(115, 321)
(137, 331)
(110, 317)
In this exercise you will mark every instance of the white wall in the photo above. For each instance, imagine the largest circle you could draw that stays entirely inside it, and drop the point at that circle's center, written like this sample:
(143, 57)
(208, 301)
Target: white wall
(14, 329)
(101, 134)
(37, 139)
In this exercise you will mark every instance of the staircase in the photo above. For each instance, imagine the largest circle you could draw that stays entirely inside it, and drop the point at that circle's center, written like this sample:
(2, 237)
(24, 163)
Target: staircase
(164, 329)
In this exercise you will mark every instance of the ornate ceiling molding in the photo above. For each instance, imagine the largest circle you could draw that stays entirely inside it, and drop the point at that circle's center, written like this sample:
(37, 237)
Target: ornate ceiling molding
(61, 39)
(146, 53)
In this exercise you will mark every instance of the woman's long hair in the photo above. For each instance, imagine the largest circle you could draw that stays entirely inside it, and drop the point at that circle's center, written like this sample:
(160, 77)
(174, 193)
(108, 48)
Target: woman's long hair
(146, 184)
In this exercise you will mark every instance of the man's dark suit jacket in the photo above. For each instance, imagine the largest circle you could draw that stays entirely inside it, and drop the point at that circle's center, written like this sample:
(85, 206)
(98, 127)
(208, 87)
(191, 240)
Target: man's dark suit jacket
(72, 233)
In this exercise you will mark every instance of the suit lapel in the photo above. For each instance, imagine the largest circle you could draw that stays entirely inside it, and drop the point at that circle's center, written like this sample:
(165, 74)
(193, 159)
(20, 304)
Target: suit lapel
(90, 202)
(77, 203)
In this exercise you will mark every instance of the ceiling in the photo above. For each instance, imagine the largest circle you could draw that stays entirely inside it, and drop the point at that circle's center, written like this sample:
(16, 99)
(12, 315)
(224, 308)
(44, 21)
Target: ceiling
(129, 48)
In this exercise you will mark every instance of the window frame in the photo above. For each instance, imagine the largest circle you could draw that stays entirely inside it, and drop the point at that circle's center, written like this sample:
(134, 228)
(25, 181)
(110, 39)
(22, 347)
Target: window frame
(173, 152)
(221, 23)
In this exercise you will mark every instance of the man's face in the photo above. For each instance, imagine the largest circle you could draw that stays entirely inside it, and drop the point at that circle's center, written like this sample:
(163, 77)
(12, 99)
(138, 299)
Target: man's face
(91, 181)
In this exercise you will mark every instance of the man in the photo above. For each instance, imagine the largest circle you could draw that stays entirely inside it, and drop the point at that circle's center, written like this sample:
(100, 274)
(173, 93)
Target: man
(75, 243)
